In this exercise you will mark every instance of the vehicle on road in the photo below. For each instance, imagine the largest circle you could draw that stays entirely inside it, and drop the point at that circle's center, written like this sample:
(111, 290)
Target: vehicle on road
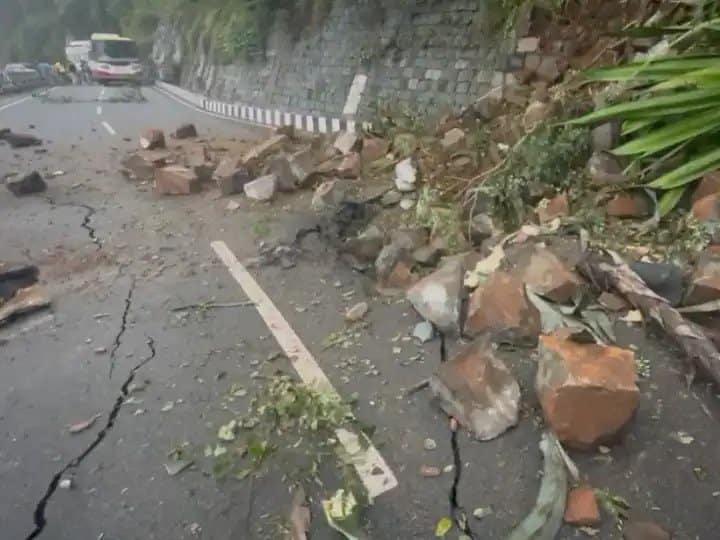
(77, 52)
(19, 76)
(114, 59)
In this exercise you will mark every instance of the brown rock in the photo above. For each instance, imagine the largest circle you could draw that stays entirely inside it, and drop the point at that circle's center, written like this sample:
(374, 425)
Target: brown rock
(347, 142)
(152, 139)
(139, 167)
(705, 280)
(327, 196)
(581, 508)
(587, 391)
(644, 530)
(477, 389)
(549, 209)
(499, 307)
(612, 302)
(629, 205)
(185, 131)
(400, 277)
(366, 246)
(264, 149)
(707, 208)
(176, 180)
(283, 171)
(198, 158)
(606, 136)
(453, 140)
(536, 113)
(427, 471)
(549, 69)
(374, 148)
(350, 166)
(549, 276)
(709, 185)
(303, 164)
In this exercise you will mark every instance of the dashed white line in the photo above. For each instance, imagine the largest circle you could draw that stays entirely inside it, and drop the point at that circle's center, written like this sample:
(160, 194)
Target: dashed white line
(18, 102)
(109, 128)
(99, 110)
(370, 465)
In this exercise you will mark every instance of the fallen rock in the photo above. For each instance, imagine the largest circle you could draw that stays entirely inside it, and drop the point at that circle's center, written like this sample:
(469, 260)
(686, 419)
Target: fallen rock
(391, 198)
(453, 140)
(629, 205)
(409, 238)
(549, 69)
(19, 140)
(264, 149)
(152, 139)
(328, 195)
(26, 185)
(138, 167)
(303, 164)
(664, 279)
(176, 180)
(405, 175)
(705, 280)
(350, 166)
(357, 312)
(438, 297)
(707, 208)
(287, 181)
(14, 277)
(427, 471)
(481, 228)
(581, 508)
(23, 302)
(587, 391)
(388, 258)
(407, 203)
(185, 131)
(404, 145)
(232, 206)
(478, 390)
(424, 331)
(709, 185)
(499, 307)
(400, 277)
(374, 148)
(528, 45)
(547, 275)
(347, 142)
(535, 114)
(549, 209)
(261, 189)
(644, 530)
(606, 136)
(605, 170)
(233, 182)
(366, 246)
(198, 158)
(613, 302)
(427, 255)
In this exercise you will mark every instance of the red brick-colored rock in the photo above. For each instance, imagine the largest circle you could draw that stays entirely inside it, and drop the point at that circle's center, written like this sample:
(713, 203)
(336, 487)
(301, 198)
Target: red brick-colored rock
(499, 307)
(629, 205)
(152, 139)
(705, 280)
(581, 508)
(176, 180)
(709, 185)
(587, 391)
(707, 208)
(549, 209)
(350, 166)
(547, 275)
(400, 277)
(373, 149)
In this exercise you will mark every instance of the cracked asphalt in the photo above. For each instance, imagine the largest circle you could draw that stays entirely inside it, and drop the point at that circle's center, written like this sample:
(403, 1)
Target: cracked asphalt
(117, 259)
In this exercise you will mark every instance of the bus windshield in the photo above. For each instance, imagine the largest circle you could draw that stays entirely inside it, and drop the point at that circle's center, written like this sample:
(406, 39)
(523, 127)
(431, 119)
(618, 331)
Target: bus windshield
(115, 48)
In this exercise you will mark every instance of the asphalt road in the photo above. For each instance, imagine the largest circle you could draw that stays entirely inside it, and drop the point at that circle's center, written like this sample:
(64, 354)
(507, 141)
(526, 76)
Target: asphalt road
(117, 259)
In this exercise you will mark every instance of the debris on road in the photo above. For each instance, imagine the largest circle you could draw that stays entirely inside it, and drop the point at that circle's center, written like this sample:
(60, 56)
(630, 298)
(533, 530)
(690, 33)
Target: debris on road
(19, 140)
(176, 180)
(477, 389)
(438, 297)
(26, 185)
(582, 508)
(424, 331)
(644, 530)
(426, 471)
(152, 139)
(342, 513)
(299, 516)
(261, 189)
(177, 466)
(357, 312)
(14, 277)
(23, 302)
(185, 131)
(65, 483)
(79, 427)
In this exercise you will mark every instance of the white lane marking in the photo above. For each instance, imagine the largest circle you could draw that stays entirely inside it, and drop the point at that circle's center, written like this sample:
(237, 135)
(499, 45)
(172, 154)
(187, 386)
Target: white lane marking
(109, 128)
(18, 102)
(370, 465)
(99, 110)
(195, 108)
(102, 93)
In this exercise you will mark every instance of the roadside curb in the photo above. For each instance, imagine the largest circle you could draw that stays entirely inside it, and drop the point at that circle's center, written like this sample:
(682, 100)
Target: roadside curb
(259, 115)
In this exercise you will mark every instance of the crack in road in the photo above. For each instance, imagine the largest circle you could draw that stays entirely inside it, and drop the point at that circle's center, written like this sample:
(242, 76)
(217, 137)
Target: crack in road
(39, 517)
(123, 327)
(457, 512)
(90, 212)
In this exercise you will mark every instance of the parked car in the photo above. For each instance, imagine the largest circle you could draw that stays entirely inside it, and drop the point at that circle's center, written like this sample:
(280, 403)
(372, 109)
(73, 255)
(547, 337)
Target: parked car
(21, 77)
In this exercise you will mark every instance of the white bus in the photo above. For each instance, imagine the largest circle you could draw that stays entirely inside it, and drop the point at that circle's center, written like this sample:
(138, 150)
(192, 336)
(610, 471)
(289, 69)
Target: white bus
(114, 59)
(77, 52)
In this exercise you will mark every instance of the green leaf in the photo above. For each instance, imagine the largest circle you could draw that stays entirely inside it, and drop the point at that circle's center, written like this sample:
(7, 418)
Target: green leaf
(443, 526)
(703, 78)
(631, 126)
(676, 103)
(689, 171)
(653, 70)
(669, 200)
(672, 134)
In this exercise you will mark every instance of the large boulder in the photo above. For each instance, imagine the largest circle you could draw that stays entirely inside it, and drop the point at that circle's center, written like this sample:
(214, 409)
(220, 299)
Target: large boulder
(477, 389)
(587, 391)
(438, 297)
(176, 180)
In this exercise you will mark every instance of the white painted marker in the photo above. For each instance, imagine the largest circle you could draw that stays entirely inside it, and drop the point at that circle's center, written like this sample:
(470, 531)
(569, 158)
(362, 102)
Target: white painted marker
(18, 102)
(99, 110)
(109, 128)
(370, 465)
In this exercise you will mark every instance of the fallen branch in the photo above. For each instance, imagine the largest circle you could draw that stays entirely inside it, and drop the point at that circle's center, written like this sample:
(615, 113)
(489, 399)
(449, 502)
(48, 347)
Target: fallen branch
(213, 305)
(699, 350)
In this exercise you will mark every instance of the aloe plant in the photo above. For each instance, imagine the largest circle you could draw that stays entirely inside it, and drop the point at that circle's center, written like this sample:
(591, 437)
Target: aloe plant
(672, 106)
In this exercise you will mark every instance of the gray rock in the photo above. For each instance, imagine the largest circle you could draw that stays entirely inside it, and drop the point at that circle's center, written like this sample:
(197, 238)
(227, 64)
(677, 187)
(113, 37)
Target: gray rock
(26, 185)
(366, 246)
(427, 255)
(438, 297)
(409, 238)
(387, 259)
(407, 203)
(261, 189)
(606, 136)
(664, 279)
(391, 198)
(405, 175)
(481, 228)
(286, 179)
(424, 331)
(605, 170)
(347, 142)
(328, 195)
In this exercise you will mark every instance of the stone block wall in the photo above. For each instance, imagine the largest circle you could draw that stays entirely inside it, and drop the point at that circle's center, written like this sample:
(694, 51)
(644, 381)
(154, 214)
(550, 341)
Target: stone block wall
(427, 56)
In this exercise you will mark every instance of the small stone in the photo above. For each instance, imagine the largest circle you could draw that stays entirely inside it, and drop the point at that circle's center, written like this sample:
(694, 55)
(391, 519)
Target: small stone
(528, 45)
(438, 297)
(629, 205)
(232, 181)
(581, 508)
(705, 281)
(100, 350)
(350, 166)
(65, 483)
(707, 208)
(549, 209)
(328, 195)
(587, 391)
(232, 206)
(374, 148)
(347, 142)
(176, 180)
(535, 114)
(605, 170)
(407, 203)
(709, 185)
(453, 140)
(26, 185)
(481, 513)
(357, 312)
(185, 131)
(424, 331)
(427, 255)
(430, 472)
(152, 139)
(405, 176)
(606, 136)
(261, 189)
(429, 444)
(283, 171)
(264, 149)
(644, 530)
(481, 228)
(366, 246)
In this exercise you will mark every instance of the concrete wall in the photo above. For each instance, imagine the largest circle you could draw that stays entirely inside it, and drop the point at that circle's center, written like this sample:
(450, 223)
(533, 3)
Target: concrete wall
(424, 55)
